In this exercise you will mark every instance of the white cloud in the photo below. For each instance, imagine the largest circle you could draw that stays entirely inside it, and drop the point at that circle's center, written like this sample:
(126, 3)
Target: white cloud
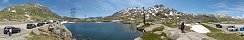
(136, 3)
(235, 10)
(105, 6)
(220, 5)
(239, 17)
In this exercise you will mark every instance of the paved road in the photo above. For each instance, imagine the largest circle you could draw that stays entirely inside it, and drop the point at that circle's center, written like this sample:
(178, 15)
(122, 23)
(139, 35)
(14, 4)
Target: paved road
(17, 36)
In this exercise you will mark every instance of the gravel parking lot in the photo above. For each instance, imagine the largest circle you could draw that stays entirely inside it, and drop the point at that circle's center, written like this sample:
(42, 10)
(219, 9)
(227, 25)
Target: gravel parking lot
(17, 36)
(238, 26)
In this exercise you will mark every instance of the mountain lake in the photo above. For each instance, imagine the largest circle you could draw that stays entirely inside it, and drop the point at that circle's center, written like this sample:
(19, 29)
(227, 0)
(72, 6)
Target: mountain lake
(103, 31)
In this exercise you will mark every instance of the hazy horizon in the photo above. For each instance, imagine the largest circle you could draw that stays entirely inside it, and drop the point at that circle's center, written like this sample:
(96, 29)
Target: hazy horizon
(96, 8)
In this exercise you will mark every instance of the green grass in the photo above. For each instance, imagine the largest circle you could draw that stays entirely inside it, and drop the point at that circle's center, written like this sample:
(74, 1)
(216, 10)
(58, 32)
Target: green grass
(167, 38)
(224, 36)
(150, 36)
(211, 28)
(153, 36)
(169, 24)
(158, 29)
(37, 13)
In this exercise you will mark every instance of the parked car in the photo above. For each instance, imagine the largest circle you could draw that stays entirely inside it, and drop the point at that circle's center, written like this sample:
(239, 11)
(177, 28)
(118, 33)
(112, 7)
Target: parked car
(14, 29)
(199, 22)
(218, 26)
(30, 26)
(48, 22)
(232, 28)
(40, 24)
(242, 29)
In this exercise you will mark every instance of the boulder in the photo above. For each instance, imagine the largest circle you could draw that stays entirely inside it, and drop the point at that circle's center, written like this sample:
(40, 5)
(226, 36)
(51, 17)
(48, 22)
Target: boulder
(46, 34)
(43, 29)
(162, 37)
(138, 38)
(36, 32)
(173, 33)
(158, 32)
(56, 31)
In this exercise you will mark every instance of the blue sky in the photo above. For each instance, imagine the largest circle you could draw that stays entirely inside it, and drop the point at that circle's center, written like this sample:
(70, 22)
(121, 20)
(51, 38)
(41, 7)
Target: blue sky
(93, 8)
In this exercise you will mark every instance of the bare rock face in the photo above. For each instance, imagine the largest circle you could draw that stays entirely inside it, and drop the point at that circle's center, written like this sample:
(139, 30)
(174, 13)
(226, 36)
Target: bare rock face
(152, 27)
(163, 38)
(60, 30)
(46, 34)
(55, 31)
(173, 33)
(36, 32)
(194, 36)
(176, 34)
(138, 38)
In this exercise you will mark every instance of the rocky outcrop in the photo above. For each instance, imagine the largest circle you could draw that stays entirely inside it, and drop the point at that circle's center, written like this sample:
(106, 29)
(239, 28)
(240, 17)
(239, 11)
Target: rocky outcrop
(173, 33)
(194, 36)
(55, 31)
(36, 32)
(176, 34)
(152, 27)
(138, 38)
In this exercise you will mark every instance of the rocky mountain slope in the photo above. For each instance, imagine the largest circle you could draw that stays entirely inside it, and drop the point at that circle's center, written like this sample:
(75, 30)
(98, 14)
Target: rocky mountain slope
(27, 12)
(160, 12)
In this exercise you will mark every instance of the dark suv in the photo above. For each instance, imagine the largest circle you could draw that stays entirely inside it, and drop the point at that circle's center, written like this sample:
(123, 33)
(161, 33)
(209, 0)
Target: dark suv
(30, 26)
(14, 29)
(218, 25)
(48, 22)
(40, 24)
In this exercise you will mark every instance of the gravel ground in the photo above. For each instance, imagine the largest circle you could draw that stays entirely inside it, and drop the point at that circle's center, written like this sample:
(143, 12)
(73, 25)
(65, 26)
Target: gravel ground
(17, 36)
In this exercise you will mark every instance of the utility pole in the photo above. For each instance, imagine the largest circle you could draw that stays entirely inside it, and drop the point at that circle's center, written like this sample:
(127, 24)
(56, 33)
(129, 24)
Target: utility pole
(72, 12)
(85, 17)
(144, 16)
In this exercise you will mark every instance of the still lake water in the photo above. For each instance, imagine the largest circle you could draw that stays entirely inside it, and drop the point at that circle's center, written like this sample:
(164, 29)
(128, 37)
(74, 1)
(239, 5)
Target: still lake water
(103, 31)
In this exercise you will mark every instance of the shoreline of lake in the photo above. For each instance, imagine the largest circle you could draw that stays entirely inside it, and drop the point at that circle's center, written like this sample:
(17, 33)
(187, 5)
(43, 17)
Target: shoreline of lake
(105, 29)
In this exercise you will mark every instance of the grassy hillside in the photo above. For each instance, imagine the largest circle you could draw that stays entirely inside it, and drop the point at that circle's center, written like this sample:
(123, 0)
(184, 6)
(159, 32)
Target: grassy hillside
(27, 12)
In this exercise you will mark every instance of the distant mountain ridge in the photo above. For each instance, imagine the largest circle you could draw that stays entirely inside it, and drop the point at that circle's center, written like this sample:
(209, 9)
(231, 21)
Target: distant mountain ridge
(160, 12)
(27, 12)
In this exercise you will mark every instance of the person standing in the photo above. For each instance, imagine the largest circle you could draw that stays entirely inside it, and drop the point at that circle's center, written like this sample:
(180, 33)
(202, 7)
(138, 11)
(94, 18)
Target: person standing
(182, 26)
(10, 31)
